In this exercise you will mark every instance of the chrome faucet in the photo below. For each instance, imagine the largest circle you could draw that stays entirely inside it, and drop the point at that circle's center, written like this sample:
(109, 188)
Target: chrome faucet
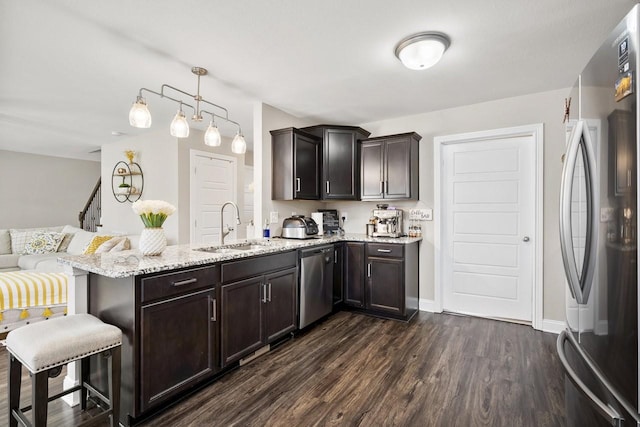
(223, 234)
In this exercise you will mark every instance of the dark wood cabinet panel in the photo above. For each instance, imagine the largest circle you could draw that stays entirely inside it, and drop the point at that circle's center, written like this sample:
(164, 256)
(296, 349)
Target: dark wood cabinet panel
(622, 153)
(295, 165)
(338, 273)
(178, 329)
(281, 303)
(241, 318)
(354, 274)
(372, 176)
(385, 285)
(389, 167)
(340, 160)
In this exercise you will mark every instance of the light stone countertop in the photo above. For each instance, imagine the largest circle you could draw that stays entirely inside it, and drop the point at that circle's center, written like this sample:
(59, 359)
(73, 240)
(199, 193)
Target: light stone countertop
(133, 263)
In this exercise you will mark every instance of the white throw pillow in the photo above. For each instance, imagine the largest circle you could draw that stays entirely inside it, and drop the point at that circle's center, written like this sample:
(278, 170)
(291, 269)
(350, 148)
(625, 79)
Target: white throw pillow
(80, 241)
(115, 244)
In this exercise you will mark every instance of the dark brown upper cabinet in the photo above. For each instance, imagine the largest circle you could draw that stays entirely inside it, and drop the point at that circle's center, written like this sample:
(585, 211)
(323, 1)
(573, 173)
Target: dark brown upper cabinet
(295, 165)
(340, 160)
(389, 167)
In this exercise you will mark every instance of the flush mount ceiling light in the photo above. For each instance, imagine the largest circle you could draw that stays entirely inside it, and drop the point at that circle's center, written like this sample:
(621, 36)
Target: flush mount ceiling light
(423, 50)
(140, 117)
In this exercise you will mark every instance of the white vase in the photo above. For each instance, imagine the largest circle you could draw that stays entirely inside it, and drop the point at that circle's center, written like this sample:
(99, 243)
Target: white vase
(152, 241)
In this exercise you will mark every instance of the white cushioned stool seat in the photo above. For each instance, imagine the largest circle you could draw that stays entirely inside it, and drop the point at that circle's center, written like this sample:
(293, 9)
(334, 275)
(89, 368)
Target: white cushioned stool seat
(43, 345)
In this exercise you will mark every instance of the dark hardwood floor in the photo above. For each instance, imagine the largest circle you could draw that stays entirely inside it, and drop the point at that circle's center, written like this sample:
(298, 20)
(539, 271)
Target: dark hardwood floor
(355, 370)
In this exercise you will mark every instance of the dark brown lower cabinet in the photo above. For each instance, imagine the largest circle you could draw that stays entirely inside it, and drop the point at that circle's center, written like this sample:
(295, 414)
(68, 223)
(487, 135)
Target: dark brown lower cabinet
(385, 285)
(178, 329)
(354, 274)
(338, 274)
(257, 310)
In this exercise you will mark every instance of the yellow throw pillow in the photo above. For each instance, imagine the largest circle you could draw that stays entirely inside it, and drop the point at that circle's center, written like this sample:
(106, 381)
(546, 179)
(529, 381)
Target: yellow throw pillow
(95, 242)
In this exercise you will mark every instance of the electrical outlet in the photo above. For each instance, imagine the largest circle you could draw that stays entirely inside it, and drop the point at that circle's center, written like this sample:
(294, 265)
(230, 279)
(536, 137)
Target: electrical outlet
(273, 218)
(345, 216)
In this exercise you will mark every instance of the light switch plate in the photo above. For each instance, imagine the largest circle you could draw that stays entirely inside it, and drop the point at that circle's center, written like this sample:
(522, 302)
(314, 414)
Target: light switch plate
(273, 218)
(421, 214)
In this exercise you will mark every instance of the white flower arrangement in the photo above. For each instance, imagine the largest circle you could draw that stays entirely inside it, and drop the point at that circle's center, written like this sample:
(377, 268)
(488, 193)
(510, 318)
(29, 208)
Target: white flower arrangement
(153, 212)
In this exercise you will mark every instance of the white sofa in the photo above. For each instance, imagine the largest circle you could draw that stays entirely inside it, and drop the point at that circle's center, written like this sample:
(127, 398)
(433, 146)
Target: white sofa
(75, 242)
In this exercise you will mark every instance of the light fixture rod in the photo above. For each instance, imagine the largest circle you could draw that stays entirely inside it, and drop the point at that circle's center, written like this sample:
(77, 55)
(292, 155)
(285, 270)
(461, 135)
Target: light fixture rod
(192, 96)
(223, 118)
(162, 95)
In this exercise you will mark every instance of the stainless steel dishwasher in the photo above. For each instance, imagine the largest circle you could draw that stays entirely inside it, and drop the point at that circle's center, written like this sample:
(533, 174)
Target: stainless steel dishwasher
(316, 283)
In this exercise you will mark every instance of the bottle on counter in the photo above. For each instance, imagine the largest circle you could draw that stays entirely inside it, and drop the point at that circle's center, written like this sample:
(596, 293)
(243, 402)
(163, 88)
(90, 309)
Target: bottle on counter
(266, 231)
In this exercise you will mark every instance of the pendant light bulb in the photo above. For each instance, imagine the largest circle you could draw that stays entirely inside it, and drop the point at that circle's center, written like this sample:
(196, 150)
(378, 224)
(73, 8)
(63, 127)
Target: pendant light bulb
(212, 135)
(139, 115)
(239, 145)
(179, 125)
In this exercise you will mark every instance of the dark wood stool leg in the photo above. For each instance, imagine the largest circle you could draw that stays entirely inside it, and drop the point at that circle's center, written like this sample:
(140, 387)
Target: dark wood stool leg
(114, 385)
(84, 378)
(15, 381)
(39, 398)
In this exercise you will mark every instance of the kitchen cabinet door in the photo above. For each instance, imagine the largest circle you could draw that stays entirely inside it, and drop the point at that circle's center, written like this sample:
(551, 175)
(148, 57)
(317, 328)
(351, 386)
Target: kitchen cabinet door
(385, 285)
(241, 318)
(389, 167)
(372, 176)
(280, 303)
(354, 274)
(340, 160)
(180, 329)
(295, 165)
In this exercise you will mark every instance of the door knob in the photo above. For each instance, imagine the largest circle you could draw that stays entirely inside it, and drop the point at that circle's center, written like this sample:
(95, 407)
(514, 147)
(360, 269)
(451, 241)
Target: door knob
(525, 239)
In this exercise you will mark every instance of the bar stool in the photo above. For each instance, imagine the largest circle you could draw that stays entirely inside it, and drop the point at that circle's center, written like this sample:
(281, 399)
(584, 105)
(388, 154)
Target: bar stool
(45, 347)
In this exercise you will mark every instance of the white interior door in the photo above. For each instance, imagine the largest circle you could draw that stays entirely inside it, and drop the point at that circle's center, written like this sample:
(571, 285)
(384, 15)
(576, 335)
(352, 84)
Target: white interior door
(488, 219)
(213, 182)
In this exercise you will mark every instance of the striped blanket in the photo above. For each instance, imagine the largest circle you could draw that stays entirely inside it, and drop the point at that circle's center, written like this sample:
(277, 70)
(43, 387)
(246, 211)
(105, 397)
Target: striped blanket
(31, 293)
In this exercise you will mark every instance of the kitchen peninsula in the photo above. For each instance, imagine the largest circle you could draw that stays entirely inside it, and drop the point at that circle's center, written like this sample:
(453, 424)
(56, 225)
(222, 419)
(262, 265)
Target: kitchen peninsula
(195, 312)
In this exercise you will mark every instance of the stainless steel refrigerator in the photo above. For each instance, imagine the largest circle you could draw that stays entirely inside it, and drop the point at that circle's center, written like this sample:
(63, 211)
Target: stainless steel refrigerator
(598, 235)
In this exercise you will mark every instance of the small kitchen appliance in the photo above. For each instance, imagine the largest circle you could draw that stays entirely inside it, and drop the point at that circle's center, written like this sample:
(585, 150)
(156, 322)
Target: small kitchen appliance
(388, 223)
(299, 227)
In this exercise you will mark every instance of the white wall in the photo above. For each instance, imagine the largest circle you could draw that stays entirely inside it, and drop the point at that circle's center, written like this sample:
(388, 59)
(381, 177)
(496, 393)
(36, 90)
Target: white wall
(546, 108)
(157, 154)
(43, 191)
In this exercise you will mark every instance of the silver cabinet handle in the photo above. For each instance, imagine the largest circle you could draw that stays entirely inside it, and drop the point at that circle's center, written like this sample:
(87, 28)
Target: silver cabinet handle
(381, 187)
(369, 270)
(335, 256)
(269, 299)
(327, 186)
(579, 285)
(605, 410)
(525, 239)
(386, 251)
(264, 292)
(214, 318)
(386, 186)
(298, 184)
(184, 282)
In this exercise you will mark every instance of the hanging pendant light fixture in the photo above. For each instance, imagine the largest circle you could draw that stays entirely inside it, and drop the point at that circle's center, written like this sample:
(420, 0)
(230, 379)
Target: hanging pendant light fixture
(239, 145)
(179, 125)
(140, 117)
(423, 50)
(212, 135)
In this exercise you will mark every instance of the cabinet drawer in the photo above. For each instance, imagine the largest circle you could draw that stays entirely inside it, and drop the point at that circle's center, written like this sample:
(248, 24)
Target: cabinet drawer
(385, 250)
(237, 270)
(174, 283)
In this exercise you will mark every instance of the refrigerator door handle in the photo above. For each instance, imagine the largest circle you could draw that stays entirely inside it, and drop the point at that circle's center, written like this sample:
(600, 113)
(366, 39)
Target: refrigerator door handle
(605, 410)
(579, 285)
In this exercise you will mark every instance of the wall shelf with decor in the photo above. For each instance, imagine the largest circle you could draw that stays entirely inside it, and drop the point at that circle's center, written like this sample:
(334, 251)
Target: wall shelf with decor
(127, 181)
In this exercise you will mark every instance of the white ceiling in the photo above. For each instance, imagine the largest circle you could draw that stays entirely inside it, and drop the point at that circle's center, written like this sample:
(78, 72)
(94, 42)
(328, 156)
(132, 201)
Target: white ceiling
(70, 69)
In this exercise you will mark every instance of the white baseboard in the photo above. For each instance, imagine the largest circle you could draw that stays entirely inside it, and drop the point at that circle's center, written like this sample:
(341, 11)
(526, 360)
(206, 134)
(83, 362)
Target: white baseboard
(427, 305)
(553, 326)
